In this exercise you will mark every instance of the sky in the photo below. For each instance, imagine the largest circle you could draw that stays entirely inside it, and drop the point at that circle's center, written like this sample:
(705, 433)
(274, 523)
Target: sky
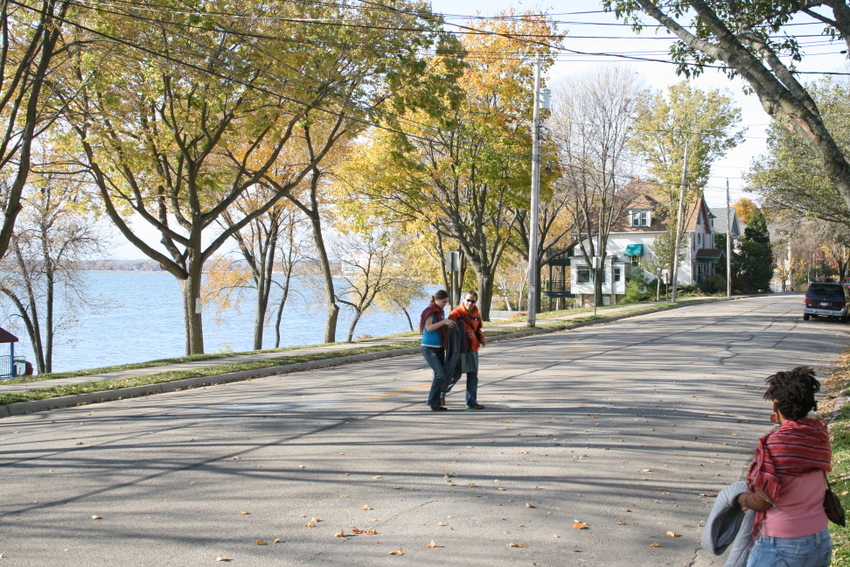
(595, 39)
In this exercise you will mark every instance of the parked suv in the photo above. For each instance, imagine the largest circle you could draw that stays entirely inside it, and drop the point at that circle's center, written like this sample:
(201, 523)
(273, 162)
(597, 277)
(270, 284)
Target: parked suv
(826, 300)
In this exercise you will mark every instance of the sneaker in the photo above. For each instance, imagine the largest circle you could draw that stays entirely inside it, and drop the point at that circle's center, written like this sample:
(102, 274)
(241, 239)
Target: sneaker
(475, 406)
(440, 408)
(442, 399)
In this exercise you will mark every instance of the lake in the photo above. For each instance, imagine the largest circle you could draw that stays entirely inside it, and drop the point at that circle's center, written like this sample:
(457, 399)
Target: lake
(145, 322)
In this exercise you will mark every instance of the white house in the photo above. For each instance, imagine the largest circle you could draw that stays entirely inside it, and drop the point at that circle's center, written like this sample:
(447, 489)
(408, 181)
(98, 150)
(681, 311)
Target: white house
(630, 242)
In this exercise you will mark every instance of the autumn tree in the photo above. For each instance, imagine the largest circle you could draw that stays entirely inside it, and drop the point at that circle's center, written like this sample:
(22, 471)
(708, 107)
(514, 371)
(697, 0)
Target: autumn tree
(56, 229)
(465, 172)
(592, 119)
(683, 117)
(32, 50)
(168, 134)
(756, 41)
(266, 245)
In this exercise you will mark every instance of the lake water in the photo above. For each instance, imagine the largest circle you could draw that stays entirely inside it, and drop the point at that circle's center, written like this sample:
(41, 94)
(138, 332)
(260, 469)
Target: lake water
(145, 322)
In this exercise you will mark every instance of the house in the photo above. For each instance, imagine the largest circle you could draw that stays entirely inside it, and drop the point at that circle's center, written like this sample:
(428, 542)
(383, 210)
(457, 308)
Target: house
(630, 244)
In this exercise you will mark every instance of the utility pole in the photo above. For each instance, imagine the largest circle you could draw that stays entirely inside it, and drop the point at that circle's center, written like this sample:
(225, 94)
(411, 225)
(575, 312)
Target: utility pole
(535, 201)
(728, 244)
(675, 274)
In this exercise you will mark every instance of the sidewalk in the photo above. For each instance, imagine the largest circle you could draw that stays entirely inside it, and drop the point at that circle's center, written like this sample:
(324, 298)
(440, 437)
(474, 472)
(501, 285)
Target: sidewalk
(521, 330)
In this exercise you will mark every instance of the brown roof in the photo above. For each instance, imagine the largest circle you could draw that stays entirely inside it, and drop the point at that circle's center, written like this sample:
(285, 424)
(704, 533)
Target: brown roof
(7, 337)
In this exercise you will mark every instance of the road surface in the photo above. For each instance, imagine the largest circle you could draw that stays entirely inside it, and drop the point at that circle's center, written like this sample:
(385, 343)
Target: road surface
(623, 429)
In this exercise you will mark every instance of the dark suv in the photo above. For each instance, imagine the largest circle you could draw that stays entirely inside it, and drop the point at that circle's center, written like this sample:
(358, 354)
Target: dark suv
(826, 300)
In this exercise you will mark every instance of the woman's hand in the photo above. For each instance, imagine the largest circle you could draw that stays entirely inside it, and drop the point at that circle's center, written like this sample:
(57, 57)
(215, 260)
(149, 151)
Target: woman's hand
(449, 323)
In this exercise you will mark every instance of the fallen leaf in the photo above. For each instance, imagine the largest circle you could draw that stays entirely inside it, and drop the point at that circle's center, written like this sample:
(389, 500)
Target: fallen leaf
(237, 458)
(527, 505)
(580, 526)
(223, 559)
(517, 545)
(708, 495)
(365, 507)
(371, 532)
(440, 524)
(472, 485)
(316, 520)
(340, 533)
(277, 540)
(97, 517)
(621, 523)
(343, 495)
(377, 476)
(673, 534)
(309, 525)
(245, 513)
(260, 542)
(432, 544)
(654, 545)
(396, 552)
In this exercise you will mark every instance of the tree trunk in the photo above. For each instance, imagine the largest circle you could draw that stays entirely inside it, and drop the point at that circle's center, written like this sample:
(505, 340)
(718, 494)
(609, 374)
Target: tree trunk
(485, 294)
(357, 314)
(327, 275)
(191, 288)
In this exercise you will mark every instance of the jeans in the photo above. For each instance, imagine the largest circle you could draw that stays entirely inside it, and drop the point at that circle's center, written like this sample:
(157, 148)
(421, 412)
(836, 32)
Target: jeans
(808, 551)
(435, 357)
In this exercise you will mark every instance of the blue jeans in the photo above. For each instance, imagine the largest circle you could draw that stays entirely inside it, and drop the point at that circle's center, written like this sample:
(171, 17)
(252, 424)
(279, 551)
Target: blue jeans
(435, 357)
(808, 551)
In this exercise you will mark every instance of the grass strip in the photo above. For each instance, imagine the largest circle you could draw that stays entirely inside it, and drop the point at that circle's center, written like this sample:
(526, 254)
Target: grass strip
(105, 385)
(837, 382)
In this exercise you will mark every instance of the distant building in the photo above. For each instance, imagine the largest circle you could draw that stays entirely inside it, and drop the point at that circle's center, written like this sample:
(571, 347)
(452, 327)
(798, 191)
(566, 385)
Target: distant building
(631, 239)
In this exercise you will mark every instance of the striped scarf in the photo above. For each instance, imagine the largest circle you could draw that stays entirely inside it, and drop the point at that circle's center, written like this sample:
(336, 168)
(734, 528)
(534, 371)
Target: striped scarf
(794, 449)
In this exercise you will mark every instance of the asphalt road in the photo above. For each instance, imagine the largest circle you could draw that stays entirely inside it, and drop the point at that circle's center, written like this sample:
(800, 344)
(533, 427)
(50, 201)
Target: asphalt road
(626, 428)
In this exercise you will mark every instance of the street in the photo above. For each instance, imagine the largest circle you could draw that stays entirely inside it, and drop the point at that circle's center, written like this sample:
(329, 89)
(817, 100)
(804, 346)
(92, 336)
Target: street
(599, 446)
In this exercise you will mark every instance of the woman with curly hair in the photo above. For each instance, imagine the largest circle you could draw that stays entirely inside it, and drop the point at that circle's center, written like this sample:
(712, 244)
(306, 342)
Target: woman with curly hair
(787, 478)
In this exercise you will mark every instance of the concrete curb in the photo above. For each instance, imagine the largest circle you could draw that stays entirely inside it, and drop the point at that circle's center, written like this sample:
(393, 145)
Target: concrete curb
(20, 408)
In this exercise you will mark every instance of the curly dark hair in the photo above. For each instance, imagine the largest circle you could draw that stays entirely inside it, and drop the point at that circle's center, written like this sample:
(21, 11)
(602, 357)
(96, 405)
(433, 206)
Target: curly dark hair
(794, 391)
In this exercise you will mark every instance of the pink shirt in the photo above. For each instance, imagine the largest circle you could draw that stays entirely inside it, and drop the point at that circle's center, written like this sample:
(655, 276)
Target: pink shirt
(800, 511)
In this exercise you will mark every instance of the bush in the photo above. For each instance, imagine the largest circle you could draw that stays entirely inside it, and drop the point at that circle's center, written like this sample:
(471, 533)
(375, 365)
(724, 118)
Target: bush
(636, 286)
(713, 284)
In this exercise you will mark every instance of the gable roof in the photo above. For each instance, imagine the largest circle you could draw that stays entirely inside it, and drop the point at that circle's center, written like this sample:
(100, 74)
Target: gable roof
(720, 220)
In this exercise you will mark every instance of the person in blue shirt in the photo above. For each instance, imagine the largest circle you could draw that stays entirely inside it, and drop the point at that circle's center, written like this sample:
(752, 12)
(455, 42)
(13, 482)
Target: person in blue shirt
(433, 325)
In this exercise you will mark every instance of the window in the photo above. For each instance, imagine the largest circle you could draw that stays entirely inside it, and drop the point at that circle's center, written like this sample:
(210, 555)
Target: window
(582, 274)
(640, 218)
(617, 274)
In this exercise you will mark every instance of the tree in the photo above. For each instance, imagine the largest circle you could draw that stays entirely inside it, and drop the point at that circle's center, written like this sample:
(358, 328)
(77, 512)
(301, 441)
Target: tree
(753, 269)
(464, 173)
(171, 139)
(32, 51)
(745, 209)
(684, 116)
(366, 260)
(55, 230)
(790, 175)
(266, 244)
(661, 256)
(591, 124)
(752, 40)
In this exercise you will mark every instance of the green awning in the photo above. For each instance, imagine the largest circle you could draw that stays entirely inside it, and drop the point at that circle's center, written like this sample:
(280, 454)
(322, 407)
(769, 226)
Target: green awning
(634, 250)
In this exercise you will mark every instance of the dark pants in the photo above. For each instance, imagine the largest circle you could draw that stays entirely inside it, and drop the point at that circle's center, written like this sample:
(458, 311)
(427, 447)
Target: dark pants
(435, 357)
